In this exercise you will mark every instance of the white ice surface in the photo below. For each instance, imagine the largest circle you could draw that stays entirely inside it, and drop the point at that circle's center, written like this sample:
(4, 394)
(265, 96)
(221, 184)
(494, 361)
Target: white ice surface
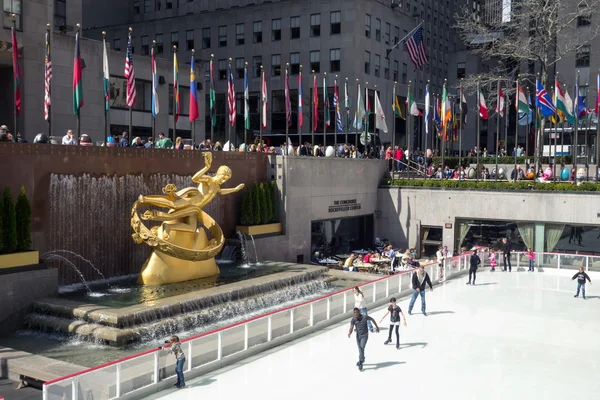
(513, 336)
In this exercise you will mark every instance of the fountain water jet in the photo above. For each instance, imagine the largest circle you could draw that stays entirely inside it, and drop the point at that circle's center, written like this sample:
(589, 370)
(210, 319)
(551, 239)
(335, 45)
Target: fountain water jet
(57, 257)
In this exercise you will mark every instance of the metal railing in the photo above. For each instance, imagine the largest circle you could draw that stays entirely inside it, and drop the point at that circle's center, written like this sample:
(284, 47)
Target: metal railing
(137, 375)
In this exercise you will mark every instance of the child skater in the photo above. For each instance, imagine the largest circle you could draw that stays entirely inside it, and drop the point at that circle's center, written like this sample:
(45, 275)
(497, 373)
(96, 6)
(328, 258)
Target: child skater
(581, 278)
(531, 256)
(493, 260)
(395, 312)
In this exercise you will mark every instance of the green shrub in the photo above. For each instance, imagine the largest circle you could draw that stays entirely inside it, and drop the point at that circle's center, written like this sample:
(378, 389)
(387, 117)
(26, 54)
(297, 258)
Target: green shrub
(23, 215)
(247, 215)
(271, 190)
(257, 205)
(9, 222)
(265, 204)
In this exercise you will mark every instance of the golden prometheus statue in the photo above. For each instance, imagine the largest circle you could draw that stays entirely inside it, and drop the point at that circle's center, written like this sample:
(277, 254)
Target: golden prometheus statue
(181, 249)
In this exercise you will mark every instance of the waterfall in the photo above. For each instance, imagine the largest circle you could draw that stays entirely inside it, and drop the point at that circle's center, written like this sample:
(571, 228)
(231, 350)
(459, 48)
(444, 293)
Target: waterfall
(255, 252)
(245, 260)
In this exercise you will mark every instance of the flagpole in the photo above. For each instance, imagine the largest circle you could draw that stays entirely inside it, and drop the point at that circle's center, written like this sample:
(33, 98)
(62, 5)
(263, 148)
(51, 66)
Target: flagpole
(597, 145)
(212, 126)
(393, 123)
(335, 112)
(245, 100)
(555, 127)
(460, 123)
(517, 122)
(104, 95)
(262, 101)
(506, 113)
(15, 119)
(478, 135)
(312, 122)
(130, 109)
(356, 134)
(78, 27)
(408, 131)
(300, 109)
(229, 106)
(287, 121)
(576, 112)
(562, 138)
(347, 111)
(497, 128)
(154, 116)
(50, 84)
(193, 123)
(367, 137)
(325, 101)
(528, 128)
(445, 125)
(375, 126)
(175, 105)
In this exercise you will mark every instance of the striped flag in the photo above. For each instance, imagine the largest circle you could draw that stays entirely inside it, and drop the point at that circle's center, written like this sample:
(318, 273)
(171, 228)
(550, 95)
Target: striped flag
(193, 113)
(130, 76)
(77, 78)
(176, 100)
(315, 104)
(416, 48)
(300, 116)
(231, 97)
(246, 99)
(213, 95)
(47, 78)
(326, 115)
(155, 105)
(264, 100)
(336, 105)
(288, 102)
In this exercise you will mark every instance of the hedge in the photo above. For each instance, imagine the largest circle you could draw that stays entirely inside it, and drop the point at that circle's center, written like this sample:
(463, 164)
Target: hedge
(452, 162)
(259, 204)
(521, 185)
(23, 211)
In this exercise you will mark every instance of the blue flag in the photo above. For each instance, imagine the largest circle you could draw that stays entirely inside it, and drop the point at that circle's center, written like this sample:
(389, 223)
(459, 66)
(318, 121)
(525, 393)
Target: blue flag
(543, 101)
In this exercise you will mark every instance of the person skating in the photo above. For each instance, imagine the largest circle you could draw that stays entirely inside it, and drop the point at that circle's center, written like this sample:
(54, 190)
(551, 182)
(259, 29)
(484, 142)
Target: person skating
(175, 348)
(493, 260)
(395, 313)
(439, 255)
(475, 261)
(361, 304)
(362, 334)
(581, 278)
(531, 256)
(419, 280)
(506, 247)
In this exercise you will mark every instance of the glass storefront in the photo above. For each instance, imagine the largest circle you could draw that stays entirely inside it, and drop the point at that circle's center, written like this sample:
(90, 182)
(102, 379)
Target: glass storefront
(341, 236)
(542, 236)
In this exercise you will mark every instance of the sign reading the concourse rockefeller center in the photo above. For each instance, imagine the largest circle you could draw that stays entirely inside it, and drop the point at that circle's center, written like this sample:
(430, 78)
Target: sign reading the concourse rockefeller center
(344, 205)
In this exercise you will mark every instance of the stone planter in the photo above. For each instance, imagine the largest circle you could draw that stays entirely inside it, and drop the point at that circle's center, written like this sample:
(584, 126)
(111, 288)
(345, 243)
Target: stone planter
(254, 230)
(19, 259)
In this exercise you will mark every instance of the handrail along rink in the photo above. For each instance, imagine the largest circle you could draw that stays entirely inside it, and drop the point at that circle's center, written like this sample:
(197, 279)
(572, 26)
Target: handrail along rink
(138, 375)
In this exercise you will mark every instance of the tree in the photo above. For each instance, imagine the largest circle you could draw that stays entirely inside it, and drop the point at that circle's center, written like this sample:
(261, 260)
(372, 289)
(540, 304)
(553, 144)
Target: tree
(274, 204)
(265, 206)
(268, 202)
(23, 215)
(538, 34)
(256, 205)
(247, 217)
(9, 222)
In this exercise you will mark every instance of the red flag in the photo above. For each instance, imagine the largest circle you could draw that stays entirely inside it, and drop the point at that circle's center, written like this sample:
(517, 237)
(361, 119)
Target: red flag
(483, 111)
(16, 72)
(300, 99)
(315, 104)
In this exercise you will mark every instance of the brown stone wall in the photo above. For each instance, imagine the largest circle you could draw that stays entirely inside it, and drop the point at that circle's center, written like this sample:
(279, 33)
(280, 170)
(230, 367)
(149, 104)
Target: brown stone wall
(95, 223)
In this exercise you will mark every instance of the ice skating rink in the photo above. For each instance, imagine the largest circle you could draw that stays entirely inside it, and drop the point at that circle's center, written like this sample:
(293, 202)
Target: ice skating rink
(516, 335)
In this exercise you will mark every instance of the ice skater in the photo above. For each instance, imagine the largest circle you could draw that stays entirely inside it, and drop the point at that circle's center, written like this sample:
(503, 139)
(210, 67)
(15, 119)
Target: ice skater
(531, 256)
(440, 260)
(506, 247)
(395, 319)
(493, 260)
(475, 261)
(362, 334)
(419, 280)
(361, 304)
(581, 278)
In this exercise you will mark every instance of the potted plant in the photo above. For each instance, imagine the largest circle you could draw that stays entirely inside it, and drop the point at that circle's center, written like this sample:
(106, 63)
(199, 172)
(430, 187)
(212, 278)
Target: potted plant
(15, 233)
(259, 210)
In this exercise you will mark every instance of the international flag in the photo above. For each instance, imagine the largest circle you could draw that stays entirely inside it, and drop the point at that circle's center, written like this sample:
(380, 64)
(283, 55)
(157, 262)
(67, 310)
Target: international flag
(397, 109)
(212, 95)
(246, 100)
(483, 110)
(500, 101)
(264, 100)
(347, 103)
(561, 103)
(176, 100)
(427, 105)
(411, 105)
(129, 76)
(326, 104)
(336, 105)
(155, 105)
(16, 72)
(315, 104)
(446, 113)
(521, 103)
(543, 101)
(569, 105)
(597, 94)
(300, 116)
(193, 92)
(379, 115)
(106, 77)
(437, 119)
(416, 48)
(360, 112)
(464, 109)
(47, 78)
(77, 78)
(231, 97)
(288, 100)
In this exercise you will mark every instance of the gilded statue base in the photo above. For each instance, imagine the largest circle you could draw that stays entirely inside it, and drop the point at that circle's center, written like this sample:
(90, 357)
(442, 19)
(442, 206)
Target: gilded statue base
(161, 269)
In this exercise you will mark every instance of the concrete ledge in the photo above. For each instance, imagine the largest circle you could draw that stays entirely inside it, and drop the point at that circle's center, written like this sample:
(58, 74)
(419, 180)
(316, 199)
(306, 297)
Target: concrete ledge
(254, 230)
(19, 259)
(14, 363)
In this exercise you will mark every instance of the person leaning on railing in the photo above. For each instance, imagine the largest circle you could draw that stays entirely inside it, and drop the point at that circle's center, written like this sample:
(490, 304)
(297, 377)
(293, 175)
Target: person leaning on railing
(175, 348)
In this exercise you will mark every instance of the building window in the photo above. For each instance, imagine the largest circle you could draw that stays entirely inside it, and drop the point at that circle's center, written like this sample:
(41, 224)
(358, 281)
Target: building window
(582, 57)
(377, 64)
(334, 60)
(294, 63)
(276, 65)
(315, 25)
(276, 30)
(396, 34)
(169, 4)
(368, 26)
(136, 7)
(315, 61)
(239, 68)
(378, 29)
(367, 62)
(174, 39)
(240, 34)
(117, 44)
(404, 73)
(584, 20)
(206, 38)
(257, 32)
(223, 36)
(147, 6)
(256, 63)
(396, 71)
(158, 5)
(60, 13)
(405, 34)
(388, 33)
(335, 19)
(189, 39)
(460, 70)
(295, 27)
(222, 68)
(386, 68)
(159, 43)
(145, 46)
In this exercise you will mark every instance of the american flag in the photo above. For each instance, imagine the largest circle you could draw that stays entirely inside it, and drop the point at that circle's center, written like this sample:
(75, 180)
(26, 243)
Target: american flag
(231, 97)
(47, 79)
(416, 48)
(130, 76)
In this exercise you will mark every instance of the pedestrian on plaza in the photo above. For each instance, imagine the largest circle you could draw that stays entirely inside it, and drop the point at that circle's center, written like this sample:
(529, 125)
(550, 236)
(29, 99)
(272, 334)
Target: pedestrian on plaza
(68, 139)
(175, 348)
(124, 142)
(475, 261)
(493, 260)
(531, 256)
(506, 247)
(395, 313)
(360, 321)
(420, 278)
(361, 304)
(581, 278)
(439, 255)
